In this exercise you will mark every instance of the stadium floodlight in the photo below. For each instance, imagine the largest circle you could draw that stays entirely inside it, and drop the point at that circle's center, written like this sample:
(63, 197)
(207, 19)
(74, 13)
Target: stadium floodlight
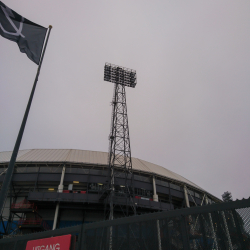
(119, 75)
(119, 147)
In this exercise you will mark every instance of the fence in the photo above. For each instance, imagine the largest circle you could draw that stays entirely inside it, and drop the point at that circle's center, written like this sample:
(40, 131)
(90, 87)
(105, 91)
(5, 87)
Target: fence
(217, 226)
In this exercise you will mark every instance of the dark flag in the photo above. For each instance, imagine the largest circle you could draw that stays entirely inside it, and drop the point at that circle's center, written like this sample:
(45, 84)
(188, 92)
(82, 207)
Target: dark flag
(28, 35)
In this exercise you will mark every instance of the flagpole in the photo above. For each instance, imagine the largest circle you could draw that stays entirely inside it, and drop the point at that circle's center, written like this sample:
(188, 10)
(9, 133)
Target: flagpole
(9, 173)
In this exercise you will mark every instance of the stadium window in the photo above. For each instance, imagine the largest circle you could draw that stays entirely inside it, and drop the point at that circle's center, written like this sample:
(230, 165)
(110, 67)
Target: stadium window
(176, 187)
(191, 192)
(143, 192)
(93, 187)
(197, 195)
(139, 191)
(163, 197)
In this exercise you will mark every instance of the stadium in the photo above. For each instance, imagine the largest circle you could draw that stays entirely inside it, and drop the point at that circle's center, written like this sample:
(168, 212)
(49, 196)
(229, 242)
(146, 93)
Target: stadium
(56, 188)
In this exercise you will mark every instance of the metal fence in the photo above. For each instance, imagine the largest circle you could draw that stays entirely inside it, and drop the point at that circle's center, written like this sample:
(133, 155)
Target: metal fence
(214, 227)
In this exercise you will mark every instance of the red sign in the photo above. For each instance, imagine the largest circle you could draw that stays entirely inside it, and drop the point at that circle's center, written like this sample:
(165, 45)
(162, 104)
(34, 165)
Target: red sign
(53, 243)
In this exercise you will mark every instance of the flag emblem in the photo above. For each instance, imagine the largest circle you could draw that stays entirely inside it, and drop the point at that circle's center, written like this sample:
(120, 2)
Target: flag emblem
(28, 35)
(8, 13)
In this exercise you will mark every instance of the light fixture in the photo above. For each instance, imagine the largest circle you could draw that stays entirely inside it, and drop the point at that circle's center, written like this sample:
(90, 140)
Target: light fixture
(100, 184)
(122, 186)
(119, 75)
(75, 182)
(51, 189)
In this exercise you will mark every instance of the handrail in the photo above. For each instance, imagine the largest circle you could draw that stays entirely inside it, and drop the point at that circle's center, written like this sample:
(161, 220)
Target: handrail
(24, 204)
(34, 222)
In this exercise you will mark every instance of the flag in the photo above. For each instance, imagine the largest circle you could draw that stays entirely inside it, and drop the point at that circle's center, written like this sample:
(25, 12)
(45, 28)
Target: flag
(28, 35)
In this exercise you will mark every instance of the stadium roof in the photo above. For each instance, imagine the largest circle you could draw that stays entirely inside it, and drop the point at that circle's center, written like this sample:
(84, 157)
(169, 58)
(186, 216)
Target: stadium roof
(89, 157)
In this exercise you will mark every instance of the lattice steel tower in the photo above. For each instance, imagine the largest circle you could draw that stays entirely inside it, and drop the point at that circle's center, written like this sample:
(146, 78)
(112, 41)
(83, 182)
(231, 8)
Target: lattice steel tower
(119, 159)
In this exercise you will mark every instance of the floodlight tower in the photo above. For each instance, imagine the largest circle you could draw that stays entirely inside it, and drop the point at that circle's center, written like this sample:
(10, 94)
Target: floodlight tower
(119, 142)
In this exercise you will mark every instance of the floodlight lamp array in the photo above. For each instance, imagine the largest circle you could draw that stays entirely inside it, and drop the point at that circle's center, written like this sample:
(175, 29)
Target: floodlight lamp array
(119, 75)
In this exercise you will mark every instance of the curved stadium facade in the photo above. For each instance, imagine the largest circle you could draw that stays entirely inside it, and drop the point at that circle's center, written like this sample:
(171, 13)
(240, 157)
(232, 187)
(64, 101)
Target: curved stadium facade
(36, 200)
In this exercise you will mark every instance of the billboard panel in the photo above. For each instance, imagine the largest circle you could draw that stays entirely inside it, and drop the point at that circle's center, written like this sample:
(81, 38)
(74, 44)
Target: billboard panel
(54, 243)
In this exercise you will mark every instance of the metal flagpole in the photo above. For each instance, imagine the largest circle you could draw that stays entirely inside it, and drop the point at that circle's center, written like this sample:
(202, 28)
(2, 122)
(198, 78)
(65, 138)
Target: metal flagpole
(10, 170)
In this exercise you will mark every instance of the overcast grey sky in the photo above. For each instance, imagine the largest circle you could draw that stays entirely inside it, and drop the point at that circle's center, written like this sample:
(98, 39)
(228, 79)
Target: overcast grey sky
(190, 109)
